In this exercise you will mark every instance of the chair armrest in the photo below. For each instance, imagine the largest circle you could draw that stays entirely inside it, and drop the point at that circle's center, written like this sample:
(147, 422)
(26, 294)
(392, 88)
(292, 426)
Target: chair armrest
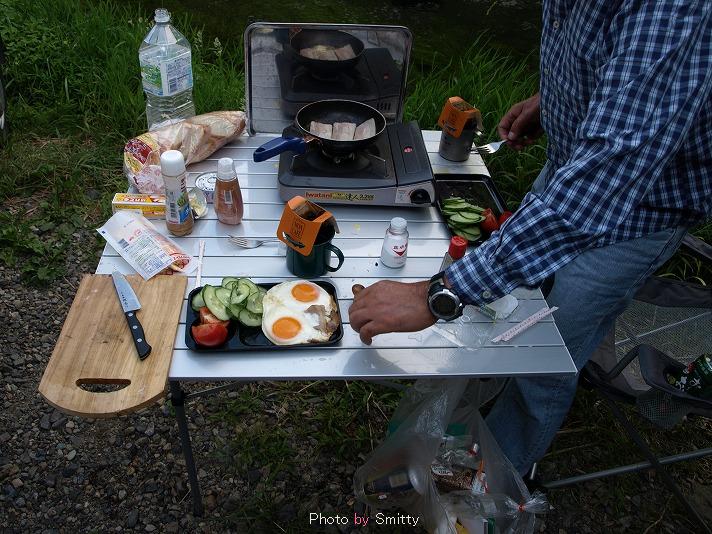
(624, 362)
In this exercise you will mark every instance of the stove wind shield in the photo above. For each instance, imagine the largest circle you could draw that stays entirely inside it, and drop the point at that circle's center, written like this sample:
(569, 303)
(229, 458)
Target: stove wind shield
(289, 66)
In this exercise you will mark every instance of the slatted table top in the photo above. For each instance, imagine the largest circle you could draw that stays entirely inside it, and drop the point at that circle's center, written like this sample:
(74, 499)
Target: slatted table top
(444, 350)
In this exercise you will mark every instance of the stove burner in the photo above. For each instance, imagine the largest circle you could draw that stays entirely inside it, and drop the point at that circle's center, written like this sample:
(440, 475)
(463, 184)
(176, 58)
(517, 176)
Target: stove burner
(305, 81)
(361, 162)
(339, 158)
(374, 80)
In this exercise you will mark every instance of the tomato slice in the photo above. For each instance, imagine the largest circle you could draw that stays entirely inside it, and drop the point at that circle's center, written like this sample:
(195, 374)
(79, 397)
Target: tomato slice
(207, 317)
(210, 334)
(490, 223)
(505, 215)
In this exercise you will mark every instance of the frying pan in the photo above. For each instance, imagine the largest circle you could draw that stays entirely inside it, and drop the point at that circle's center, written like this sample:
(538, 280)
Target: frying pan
(309, 38)
(328, 112)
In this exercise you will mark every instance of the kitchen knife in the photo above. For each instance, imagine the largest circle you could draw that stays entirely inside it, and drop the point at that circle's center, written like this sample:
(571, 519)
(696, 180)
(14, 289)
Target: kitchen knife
(130, 304)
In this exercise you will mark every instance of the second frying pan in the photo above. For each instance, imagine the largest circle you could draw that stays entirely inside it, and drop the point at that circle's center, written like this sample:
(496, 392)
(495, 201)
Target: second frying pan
(328, 112)
(332, 38)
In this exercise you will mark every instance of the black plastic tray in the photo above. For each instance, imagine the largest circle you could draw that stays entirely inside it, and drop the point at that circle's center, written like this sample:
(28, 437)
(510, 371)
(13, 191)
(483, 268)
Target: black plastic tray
(479, 189)
(241, 337)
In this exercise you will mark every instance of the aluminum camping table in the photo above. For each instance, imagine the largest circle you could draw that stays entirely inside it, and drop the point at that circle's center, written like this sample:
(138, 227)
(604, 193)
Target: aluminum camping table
(435, 352)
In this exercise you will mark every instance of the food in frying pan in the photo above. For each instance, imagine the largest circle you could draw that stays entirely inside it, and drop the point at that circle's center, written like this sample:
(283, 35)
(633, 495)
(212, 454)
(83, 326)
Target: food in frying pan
(345, 52)
(365, 130)
(299, 312)
(344, 131)
(320, 130)
(329, 53)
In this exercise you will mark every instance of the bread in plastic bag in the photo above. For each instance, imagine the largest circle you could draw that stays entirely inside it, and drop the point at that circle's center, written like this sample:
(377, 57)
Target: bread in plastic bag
(398, 474)
(197, 138)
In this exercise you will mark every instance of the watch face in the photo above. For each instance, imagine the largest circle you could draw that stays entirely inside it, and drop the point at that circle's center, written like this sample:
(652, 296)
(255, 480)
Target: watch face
(443, 305)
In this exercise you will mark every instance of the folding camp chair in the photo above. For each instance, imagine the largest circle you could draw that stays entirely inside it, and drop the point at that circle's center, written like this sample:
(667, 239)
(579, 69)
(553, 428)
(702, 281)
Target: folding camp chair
(668, 325)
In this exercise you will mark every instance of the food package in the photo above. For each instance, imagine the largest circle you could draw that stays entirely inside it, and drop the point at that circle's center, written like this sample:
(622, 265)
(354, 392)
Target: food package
(197, 138)
(143, 247)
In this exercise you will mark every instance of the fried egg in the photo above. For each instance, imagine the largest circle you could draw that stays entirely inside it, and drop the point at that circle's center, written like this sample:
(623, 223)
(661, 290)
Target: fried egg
(284, 326)
(298, 312)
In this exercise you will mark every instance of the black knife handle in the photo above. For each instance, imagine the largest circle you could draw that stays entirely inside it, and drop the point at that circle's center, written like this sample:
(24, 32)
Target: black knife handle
(142, 346)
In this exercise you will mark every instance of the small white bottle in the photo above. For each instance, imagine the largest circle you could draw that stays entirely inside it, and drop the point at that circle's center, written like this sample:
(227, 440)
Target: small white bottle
(395, 244)
(179, 217)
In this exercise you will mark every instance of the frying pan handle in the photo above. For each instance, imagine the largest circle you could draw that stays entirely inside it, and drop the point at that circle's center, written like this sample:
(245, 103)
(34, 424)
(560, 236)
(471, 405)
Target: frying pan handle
(279, 145)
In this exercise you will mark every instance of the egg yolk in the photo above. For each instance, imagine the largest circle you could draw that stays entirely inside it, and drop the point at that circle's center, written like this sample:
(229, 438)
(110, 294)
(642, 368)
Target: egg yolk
(286, 327)
(305, 292)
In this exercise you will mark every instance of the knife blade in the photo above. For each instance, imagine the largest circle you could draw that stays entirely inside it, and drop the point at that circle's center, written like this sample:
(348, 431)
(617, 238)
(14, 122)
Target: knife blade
(130, 304)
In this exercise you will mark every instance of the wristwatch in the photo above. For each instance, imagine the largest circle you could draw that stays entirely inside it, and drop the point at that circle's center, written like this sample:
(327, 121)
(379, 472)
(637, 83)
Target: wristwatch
(443, 303)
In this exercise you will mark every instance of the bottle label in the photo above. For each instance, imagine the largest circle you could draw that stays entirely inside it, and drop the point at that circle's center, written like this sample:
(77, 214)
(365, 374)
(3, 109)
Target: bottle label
(227, 196)
(177, 204)
(393, 254)
(167, 77)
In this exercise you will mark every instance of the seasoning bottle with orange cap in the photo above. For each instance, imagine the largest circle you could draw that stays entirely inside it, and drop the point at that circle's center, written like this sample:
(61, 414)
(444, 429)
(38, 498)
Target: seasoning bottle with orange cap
(457, 249)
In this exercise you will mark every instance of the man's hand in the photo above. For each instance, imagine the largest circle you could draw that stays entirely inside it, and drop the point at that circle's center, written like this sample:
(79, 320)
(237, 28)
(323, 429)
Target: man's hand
(521, 125)
(390, 307)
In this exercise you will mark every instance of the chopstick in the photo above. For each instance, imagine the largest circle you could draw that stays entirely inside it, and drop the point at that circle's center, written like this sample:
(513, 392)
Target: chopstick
(201, 251)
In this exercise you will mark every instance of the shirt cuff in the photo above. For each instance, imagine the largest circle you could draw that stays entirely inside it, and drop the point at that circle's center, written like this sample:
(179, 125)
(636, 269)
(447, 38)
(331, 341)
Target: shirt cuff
(473, 279)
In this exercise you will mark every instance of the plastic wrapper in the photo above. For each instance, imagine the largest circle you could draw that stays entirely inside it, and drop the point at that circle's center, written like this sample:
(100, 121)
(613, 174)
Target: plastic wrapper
(430, 411)
(197, 138)
(143, 247)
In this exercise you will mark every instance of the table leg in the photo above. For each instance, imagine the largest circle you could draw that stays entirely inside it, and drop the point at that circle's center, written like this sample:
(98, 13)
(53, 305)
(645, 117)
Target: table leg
(178, 402)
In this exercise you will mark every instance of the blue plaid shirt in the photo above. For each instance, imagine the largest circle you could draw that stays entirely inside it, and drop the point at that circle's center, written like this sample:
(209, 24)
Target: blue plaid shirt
(626, 102)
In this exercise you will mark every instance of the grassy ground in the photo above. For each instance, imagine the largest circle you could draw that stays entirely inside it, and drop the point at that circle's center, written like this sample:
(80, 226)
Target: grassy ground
(75, 97)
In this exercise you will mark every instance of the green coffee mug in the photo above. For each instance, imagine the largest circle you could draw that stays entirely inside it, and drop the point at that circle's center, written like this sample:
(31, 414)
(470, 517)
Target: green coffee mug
(317, 263)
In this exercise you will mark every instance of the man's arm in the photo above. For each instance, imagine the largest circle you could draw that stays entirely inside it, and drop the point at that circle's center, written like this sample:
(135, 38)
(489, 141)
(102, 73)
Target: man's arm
(658, 76)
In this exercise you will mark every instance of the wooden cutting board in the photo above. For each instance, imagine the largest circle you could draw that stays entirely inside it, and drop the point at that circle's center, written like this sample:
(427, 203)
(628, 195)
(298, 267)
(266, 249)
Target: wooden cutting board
(96, 347)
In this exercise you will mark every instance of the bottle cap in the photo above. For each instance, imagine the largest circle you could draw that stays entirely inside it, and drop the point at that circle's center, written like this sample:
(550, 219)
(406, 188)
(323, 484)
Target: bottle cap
(162, 15)
(458, 247)
(172, 163)
(226, 169)
(398, 224)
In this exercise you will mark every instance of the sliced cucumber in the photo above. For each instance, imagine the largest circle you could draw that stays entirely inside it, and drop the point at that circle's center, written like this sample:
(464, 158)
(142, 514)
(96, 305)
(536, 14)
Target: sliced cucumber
(229, 281)
(254, 302)
(234, 311)
(239, 294)
(250, 319)
(249, 283)
(216, 307)
(223, 295)
(197, 301)
(459, 218)
(470, 236)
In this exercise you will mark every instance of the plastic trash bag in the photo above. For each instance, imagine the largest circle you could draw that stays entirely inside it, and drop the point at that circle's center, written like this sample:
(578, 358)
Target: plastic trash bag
(437, 430)
(197, 138)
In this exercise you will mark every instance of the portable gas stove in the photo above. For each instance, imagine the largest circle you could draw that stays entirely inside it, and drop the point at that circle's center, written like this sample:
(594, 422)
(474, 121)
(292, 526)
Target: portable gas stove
(394, 170)
(375, 80)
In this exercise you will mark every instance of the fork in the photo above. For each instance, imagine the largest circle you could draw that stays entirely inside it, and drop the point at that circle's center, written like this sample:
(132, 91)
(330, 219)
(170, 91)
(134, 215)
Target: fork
(246, 242)
(489, 148)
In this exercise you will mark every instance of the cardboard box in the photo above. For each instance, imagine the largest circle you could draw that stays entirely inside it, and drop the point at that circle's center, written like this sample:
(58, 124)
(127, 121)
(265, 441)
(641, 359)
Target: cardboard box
(301, 222)
(150, 206)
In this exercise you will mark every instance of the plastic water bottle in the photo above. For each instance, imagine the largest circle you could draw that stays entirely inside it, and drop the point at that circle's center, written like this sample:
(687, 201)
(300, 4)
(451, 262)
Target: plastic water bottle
(167, 73)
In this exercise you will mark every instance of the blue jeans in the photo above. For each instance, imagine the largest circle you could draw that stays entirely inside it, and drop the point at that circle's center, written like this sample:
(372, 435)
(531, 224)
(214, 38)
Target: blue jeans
(590, 291)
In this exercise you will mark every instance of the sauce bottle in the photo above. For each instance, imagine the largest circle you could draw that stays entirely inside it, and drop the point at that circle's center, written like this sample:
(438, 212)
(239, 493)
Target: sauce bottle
(395, 244)
(457, 249)
(179, 217)
(228, 198)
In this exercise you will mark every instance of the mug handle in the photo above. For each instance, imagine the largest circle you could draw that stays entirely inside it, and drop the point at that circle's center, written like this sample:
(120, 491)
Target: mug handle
(339, 255)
